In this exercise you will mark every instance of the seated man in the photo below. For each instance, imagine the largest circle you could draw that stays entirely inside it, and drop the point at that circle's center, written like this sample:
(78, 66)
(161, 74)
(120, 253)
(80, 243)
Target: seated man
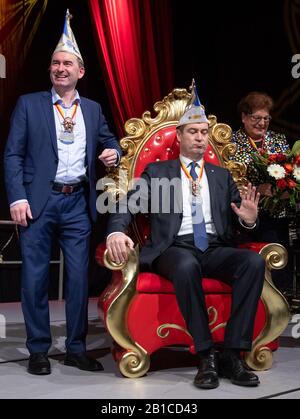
(193, 239)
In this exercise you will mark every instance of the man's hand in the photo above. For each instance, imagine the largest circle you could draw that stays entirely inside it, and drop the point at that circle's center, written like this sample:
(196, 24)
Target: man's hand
(118, 246)
(248, 209)
(109, 157)
(20, 212)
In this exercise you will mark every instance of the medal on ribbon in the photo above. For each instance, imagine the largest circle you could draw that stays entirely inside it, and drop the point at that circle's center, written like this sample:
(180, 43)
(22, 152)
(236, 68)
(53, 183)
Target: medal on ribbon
(195, 188)
(195, 184)
(68, 124)
(67, 135)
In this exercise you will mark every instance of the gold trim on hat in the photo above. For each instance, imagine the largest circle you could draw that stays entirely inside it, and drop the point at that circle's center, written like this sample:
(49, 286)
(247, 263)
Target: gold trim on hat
(195, 116)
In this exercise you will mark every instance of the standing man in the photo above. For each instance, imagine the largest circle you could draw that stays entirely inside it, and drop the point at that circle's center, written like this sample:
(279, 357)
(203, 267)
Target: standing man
(50, 181)
(194, 239)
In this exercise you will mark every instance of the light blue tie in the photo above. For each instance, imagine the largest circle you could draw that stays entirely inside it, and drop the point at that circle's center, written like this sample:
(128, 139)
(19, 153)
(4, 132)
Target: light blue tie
(200, 237)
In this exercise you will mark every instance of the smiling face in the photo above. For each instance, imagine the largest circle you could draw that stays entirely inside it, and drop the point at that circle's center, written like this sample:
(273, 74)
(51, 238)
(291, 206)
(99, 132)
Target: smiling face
(65, 71)
(256, 124)
(193, 139)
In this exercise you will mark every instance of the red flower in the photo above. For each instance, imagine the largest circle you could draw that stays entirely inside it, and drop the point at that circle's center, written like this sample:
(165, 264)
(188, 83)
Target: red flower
(286, 191)
(272, 158)
(281, 158)
(281, 184)
(277, 158)
(297, 160)
(291, 184)
(288, 168)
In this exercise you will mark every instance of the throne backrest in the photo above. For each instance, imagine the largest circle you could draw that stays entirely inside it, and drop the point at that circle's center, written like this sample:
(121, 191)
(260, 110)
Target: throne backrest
(154, 139)
(163, 145)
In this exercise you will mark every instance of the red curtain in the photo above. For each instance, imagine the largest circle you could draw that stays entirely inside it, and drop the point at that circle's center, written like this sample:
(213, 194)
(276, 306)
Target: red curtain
(134, 39)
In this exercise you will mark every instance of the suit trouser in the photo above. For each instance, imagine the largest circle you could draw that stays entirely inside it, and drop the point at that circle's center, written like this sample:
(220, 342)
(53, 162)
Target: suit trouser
(185, 266)
(65, 217)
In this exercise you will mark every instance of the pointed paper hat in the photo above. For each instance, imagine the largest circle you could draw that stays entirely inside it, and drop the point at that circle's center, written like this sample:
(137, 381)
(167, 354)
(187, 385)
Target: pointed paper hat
(67, 42)
(194, 112)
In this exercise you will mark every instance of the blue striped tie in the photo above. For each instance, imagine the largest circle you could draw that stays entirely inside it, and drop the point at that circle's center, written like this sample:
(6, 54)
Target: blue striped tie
(200, 237)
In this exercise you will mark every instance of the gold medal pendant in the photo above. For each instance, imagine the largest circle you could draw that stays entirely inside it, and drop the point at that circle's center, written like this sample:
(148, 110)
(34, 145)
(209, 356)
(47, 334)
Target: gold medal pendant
(195, 188)
(68, 124)
(196, 192)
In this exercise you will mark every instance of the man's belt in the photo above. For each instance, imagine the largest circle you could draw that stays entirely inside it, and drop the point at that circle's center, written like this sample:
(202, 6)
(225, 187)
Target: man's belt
(67, 188)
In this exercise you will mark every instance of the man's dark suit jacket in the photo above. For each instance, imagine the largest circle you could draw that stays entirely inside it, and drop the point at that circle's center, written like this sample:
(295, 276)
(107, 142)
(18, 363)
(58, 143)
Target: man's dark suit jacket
(165, 227)
(31, 155)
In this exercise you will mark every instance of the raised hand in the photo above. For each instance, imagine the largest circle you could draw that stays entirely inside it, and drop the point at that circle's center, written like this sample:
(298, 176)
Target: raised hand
(249, 205)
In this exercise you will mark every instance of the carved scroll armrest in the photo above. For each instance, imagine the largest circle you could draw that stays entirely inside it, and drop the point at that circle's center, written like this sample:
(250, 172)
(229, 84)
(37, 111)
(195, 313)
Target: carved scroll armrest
(276, 306)
(103, 259)
(115, 301)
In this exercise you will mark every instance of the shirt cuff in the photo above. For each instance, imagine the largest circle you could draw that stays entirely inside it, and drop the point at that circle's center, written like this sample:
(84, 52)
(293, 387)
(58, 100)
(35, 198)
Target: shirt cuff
(115, 232)
(245, 225)
(118, 159)
(20, 201)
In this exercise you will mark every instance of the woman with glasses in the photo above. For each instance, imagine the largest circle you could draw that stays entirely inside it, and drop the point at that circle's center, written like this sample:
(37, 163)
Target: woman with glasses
(255, 109)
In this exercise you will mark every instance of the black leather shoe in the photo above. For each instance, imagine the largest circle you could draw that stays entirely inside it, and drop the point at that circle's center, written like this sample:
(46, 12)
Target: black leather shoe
(39, 364)
(83, 362)
(207, 375)
(234, 368)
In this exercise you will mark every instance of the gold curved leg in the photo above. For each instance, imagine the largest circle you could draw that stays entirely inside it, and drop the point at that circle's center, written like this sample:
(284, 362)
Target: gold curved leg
(277, 310)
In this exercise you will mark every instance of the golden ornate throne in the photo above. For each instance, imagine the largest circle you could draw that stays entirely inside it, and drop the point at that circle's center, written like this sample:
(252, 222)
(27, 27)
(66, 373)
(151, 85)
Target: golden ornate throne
(140, 310)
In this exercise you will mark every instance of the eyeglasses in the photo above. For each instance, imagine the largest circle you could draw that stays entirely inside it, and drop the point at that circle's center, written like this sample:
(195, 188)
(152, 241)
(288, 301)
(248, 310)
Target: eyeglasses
(256, 118)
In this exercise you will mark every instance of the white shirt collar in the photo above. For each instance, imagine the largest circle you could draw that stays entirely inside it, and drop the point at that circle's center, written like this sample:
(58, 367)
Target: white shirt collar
(57, 99)
(186, 161)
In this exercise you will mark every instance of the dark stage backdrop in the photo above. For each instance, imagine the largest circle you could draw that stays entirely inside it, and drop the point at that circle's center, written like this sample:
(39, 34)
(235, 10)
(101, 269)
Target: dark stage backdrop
(232, 48)
(229, 47)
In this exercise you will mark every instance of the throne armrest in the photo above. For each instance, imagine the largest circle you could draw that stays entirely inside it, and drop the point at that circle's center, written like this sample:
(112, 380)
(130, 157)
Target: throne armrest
(103, 259)
(133, 360)
(276, 306)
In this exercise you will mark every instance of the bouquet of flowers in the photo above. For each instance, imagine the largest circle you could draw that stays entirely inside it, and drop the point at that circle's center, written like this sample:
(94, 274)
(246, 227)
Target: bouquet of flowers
(282, 172)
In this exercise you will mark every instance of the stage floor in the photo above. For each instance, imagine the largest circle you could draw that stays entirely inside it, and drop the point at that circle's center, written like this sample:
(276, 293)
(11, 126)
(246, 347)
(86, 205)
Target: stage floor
(171, 375)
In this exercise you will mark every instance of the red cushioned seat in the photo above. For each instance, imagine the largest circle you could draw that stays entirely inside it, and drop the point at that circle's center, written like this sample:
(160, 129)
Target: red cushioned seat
(150, 283)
